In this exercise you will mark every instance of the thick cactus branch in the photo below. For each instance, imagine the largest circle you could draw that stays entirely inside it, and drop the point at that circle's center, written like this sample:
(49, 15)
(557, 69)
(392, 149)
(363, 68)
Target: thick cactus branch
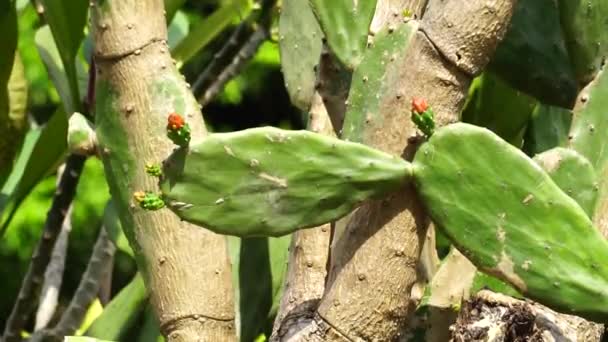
(32, 283)
(307, 268)
(185, 267)
(381, 244)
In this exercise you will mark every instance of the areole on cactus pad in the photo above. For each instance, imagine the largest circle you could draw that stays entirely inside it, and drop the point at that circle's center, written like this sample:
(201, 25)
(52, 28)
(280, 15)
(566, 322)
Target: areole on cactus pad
(512, 221)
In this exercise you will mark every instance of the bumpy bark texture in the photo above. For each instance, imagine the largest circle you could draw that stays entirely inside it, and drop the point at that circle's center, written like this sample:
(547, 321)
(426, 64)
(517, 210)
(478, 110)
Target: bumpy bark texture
(186, 268)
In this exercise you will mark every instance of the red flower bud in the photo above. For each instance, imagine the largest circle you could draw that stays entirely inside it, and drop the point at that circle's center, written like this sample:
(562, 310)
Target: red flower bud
(175, 121)
(419, 105)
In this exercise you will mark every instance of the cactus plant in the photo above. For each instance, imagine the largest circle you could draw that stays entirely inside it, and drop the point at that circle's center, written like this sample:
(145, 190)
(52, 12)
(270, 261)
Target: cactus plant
(511, 220)
(345, 24)
(533, 56)
(393, 76)
(274, 169)
(574, 174)
(584, 25)
(300, 45)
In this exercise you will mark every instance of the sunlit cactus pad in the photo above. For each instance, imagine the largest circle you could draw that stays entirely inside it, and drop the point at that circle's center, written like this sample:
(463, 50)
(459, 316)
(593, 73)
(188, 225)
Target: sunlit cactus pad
(270, 182)
(511, 220)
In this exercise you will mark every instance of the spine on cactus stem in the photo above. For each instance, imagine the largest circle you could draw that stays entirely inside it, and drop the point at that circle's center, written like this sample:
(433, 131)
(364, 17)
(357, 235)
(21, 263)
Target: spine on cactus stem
(137, 88)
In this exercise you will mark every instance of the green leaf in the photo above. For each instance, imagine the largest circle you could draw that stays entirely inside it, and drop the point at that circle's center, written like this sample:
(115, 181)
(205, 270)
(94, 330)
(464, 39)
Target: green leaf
(178, 29)
(270, 182)
(209, 28)
(503, 212)
(66, 19)
(8, 27)
(52, 61)
(13, 118)
(122, 313)
(261, 269)
(150, 330)
(43, 149)
(346, 26)
(300, 45)
(83, 339)
(171, 8)
(111, 222)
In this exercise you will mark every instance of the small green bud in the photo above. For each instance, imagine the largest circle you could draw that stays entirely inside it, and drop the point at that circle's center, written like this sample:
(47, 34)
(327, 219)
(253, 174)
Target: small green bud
(154, 170)
(148, 200)
(423, 116)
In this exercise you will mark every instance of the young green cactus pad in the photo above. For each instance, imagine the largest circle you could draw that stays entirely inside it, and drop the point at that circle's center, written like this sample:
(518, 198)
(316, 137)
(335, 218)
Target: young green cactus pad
(300, 44)
(346, 25)
(512, 221)
(573, 173)
(81, 135)
(586, 30)
(270, 182)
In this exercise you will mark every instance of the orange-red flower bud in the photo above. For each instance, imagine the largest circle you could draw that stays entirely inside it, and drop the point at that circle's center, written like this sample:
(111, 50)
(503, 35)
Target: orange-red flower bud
(419, 105)
(175, 121)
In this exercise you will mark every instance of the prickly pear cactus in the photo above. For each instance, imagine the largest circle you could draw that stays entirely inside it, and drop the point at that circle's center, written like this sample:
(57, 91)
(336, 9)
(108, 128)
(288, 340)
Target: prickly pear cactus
(587, 135)
(548, 127)
(511, 220)
(346, 25)
(495, 105)
(372, 78)
(573, 173)
(586, 31)
(533, 55)
(300, 42)
(270, 182)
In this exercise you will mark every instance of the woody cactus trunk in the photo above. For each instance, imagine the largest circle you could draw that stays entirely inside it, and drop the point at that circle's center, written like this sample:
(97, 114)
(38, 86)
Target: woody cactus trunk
(186, 269)
(393, 78)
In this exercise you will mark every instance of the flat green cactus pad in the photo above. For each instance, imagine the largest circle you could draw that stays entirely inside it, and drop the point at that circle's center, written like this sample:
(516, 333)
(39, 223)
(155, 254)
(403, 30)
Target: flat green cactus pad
(548, 127)
(586, 30)
(533, 56)
(346, 25)
(511, 220)
(573, 173)
(270, 182)
(374, 80)
(300, 44)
